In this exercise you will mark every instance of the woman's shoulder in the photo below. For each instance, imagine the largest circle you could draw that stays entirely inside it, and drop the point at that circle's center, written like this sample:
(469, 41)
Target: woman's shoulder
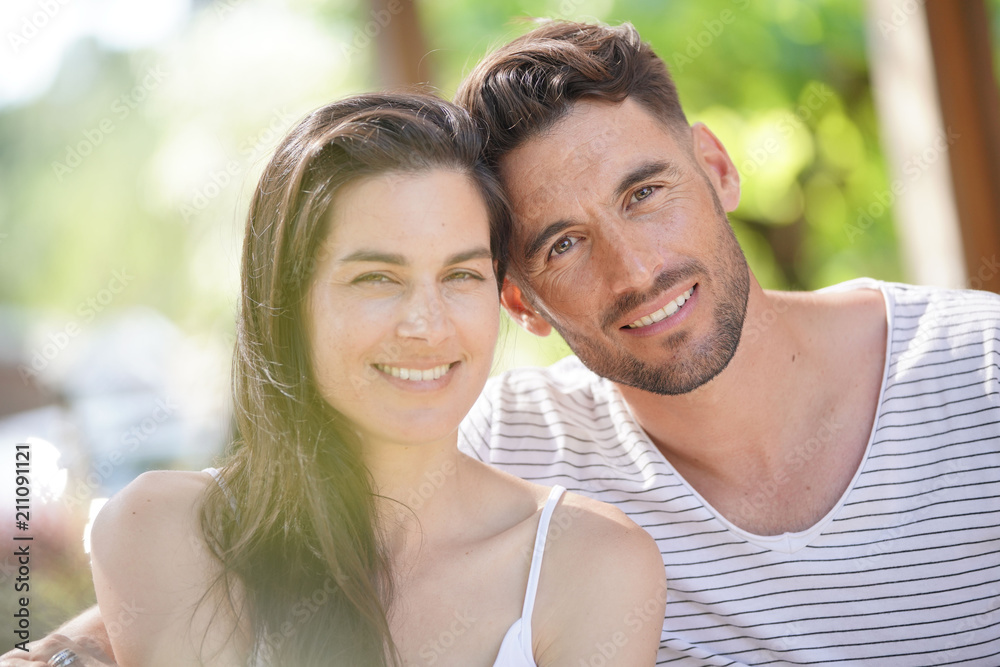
(152, 528)
(576, 520)
(602, 580)
(587, 533)
(153, 505)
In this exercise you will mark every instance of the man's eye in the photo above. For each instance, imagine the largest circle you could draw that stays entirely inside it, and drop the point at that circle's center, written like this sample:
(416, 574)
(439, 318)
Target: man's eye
(642, 193)
(562, 245)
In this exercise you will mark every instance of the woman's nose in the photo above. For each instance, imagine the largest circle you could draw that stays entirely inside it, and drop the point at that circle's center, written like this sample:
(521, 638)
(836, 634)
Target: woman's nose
(425, 316)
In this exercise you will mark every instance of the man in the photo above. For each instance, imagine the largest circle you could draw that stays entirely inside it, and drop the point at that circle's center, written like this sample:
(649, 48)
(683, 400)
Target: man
(820, 470)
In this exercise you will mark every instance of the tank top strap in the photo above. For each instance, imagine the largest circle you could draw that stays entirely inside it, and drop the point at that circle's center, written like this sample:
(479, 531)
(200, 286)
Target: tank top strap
(217, 476)
(536, 560)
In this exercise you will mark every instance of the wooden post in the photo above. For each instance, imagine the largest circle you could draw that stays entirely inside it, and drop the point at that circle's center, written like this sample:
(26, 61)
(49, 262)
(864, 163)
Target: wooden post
(970, 107)
(402, 60)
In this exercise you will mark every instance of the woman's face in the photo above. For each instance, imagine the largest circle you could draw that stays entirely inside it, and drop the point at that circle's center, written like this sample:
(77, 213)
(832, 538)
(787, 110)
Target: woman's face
(403, 312)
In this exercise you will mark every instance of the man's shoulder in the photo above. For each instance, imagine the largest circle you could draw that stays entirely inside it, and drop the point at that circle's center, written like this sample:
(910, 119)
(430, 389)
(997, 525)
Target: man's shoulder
(568, 376)
(930, 308)
(920, 314)
(905, 295)
(564, 402)
(938, 336)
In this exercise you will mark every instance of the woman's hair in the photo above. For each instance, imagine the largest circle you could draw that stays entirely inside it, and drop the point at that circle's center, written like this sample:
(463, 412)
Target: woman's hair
(302, 537)
(525, 86)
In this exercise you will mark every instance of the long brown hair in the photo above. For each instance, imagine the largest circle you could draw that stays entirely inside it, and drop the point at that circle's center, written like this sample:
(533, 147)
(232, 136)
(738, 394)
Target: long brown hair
(301, 536)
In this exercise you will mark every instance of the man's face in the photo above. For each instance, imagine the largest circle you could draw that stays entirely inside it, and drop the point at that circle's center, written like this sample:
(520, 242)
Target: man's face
(623, 246)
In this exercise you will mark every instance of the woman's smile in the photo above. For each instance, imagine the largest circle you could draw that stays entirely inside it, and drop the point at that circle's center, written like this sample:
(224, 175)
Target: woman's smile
(417, 372)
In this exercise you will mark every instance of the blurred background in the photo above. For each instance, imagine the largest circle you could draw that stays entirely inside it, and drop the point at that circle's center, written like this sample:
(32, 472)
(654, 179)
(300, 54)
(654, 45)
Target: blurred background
(131, 135)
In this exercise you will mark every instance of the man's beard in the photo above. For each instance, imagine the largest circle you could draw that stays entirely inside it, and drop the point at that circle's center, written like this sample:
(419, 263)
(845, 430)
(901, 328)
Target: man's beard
(699, 362)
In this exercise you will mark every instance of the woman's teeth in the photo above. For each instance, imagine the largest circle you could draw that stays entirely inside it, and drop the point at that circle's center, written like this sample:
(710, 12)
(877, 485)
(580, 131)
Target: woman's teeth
(414, 374)
(663, 313)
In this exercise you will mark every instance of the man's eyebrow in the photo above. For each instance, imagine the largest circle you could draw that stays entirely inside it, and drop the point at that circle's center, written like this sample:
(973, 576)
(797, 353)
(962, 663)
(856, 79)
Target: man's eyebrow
(642, 172)
(541, 239)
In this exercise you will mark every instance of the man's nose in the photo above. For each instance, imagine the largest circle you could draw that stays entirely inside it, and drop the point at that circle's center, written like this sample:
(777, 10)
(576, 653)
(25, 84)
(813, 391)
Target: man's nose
(425, 316)
(631, 258)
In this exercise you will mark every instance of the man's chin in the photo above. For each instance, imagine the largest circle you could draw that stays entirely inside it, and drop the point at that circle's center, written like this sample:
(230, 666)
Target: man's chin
(666, 379)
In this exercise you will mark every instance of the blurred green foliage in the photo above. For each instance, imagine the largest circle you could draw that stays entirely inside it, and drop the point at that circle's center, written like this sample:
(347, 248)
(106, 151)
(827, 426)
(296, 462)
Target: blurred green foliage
(142, 160)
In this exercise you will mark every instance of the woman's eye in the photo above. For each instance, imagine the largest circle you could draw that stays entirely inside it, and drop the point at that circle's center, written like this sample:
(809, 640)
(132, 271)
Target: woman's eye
(371, 278)
(464, 275)
(642, 193)
(562, 245)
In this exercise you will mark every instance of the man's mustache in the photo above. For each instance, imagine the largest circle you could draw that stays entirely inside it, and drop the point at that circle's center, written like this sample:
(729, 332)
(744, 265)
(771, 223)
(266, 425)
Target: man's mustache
(667, 279)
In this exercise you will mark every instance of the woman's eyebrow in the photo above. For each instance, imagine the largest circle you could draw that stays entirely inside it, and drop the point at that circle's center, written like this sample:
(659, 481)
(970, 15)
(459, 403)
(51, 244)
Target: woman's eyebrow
(374, 256)
(481, 252)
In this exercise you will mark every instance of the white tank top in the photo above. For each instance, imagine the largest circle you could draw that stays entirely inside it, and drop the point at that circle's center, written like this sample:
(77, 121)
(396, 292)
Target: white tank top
(515, 650)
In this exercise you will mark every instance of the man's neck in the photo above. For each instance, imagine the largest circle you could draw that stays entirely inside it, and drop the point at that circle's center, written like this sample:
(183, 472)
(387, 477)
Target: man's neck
(810, 374)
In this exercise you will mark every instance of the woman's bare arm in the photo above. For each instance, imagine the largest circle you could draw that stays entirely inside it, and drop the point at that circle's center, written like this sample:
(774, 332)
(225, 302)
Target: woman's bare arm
(85, 635)
(151, 564)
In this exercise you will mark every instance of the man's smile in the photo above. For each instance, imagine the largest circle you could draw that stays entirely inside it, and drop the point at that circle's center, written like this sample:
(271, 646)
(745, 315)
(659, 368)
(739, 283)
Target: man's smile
(663, 313)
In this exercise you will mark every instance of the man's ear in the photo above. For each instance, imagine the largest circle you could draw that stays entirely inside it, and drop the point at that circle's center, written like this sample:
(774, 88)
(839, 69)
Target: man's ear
(514, 303)
(713, 158)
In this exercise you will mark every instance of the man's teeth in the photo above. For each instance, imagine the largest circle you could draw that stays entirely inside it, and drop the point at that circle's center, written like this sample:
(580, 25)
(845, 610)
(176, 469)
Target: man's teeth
(414, 374)
(662, 313)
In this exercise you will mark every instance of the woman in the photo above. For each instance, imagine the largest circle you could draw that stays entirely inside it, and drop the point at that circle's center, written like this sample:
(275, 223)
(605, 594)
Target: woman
(345, 527)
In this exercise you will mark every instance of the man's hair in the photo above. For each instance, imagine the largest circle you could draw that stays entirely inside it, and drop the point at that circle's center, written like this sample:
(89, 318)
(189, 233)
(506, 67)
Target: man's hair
(524, 87)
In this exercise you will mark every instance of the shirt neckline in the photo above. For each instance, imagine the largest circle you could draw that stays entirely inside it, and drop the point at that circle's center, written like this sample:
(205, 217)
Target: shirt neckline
(790, 542)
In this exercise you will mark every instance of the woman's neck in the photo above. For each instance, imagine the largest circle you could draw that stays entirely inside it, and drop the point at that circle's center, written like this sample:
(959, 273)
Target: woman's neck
(420, 488)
